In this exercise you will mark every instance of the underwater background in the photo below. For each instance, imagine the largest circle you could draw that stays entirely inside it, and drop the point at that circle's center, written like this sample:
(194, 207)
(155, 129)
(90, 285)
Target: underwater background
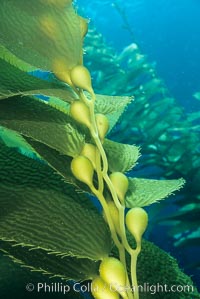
(168, 34)
(167, 31)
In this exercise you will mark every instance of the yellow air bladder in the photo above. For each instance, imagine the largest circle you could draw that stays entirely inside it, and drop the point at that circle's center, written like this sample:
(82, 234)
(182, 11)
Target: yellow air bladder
(80, 77)
(120, 182)
(100, 290)
(114, 215)
(102, 125)
(61, 71)
(136, 222)
(83, 170)
(113, 273)
(89, 150)
(80, 112)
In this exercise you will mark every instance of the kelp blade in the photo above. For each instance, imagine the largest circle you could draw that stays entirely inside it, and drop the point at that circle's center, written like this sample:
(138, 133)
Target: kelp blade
(52, 221)
(40, 33)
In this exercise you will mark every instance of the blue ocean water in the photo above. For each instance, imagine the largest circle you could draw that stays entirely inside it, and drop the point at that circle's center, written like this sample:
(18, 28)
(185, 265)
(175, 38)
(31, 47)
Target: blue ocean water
(168, 32)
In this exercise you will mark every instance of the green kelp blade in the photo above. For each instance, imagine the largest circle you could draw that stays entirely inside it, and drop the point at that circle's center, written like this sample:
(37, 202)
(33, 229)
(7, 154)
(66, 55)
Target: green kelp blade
(50, 264)
(16, 141)
(112, 107)
(14, 81)
(14, 279)
(60, 163)
(121, 157)
(59, 104)
(40, 211)
(41, 34)
(51, 221)
(143, 192)
(38, 120)
(9, 57)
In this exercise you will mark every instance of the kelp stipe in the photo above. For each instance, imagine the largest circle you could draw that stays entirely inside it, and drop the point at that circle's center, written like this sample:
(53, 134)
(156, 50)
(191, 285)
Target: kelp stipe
(57, 231)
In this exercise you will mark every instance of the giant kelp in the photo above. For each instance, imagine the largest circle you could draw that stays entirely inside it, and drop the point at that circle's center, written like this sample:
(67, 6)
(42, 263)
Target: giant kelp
(54, 153)
(169, 137)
